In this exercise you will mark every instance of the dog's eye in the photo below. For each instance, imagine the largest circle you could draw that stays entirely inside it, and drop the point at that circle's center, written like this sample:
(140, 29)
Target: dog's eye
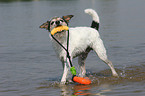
(61, 20)
(52, 23)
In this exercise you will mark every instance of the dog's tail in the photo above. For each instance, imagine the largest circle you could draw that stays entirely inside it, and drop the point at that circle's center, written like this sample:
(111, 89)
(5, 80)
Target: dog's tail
(95, 22)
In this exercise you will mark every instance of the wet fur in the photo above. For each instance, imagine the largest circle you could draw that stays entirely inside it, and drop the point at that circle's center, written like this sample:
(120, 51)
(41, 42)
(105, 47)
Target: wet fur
(82, 41)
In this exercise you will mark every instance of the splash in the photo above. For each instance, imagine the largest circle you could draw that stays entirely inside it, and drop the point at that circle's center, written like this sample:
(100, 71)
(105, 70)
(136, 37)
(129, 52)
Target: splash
(127, 74)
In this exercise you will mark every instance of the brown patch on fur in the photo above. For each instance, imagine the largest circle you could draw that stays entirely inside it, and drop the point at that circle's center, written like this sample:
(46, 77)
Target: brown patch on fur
(44, 25)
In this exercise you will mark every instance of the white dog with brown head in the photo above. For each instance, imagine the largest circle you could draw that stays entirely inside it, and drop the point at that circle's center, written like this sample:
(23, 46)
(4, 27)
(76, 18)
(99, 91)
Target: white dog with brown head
(81, 41)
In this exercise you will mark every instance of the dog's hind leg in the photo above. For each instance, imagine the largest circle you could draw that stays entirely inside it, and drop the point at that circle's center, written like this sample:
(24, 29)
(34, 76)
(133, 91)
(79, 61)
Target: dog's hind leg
(81, 62)
(114, 73)
(99, 48)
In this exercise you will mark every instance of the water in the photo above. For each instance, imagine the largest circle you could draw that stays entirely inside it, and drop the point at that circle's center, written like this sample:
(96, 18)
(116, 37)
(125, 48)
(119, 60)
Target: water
(28, 64)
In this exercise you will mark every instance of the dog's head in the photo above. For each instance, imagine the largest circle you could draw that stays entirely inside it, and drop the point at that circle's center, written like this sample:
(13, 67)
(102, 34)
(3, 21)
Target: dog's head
(55, 22)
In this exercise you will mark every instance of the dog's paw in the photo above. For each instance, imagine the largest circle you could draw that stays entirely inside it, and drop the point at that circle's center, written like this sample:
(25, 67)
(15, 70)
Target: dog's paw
(116, 75)
(62, 82)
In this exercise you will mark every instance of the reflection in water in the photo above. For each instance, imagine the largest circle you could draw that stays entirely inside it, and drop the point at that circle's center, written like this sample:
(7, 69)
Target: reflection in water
(85, 90)
(81, 90)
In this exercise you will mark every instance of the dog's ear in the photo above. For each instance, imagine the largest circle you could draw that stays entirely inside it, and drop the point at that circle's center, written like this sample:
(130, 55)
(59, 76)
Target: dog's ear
(45, 25)
(67, 18)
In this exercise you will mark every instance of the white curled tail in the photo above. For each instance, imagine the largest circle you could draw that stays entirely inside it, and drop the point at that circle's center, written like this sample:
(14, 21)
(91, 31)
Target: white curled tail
(95, 17)
(93, 13)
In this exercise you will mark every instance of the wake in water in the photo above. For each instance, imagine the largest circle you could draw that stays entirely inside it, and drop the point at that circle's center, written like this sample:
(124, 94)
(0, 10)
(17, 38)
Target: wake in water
(128, 74)
(101, 82)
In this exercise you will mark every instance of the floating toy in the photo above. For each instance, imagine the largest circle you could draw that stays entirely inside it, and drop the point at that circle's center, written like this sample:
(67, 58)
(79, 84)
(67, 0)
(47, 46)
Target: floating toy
(81, 80)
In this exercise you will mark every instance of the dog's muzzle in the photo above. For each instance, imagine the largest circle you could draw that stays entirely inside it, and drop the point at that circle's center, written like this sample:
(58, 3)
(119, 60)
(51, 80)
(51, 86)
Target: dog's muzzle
(57, 23)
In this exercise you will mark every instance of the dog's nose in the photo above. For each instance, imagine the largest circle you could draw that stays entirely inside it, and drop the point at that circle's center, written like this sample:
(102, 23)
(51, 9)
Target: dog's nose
(57, 22)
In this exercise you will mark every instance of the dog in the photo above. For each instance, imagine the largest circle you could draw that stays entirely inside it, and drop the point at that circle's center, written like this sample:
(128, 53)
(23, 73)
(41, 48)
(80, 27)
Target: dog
(82, 41)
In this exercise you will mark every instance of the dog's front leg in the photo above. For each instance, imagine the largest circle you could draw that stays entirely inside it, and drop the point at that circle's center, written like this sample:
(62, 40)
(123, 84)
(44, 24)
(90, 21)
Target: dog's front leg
(65, 72)
(81, 62)
(66, 67)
